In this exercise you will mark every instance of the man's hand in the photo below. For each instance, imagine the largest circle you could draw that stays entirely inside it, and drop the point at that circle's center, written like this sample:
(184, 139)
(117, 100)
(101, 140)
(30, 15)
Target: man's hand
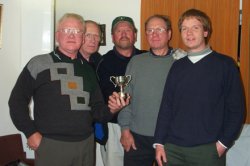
(127, 140)
(34, 141)
(116, 103)
(220, 149)
(160, 155)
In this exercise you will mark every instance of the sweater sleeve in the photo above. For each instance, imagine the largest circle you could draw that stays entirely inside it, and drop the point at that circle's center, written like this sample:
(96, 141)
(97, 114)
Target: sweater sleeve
(234, 105)
(166, 111)
(19, 102)
(100, 110)
(104, 80)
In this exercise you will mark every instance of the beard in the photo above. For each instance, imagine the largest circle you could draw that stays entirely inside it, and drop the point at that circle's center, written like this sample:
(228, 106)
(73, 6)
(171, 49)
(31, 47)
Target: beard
(124, 43)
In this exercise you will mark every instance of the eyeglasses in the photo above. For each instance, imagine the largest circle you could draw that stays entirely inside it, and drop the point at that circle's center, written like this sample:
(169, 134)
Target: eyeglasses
(150, 31)
(69, 31)
(90, 36)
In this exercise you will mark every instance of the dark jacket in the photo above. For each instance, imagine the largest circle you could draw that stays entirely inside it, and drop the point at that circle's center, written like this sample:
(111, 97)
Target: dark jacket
(112, 64)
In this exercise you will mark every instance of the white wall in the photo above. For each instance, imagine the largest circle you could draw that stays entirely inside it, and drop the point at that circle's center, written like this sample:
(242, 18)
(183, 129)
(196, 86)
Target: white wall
(10, 58)
(102, 12)
(28, 31)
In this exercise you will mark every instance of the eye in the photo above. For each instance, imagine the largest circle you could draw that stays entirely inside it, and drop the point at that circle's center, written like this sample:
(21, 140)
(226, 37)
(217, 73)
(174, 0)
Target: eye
(160, 30)
(128, 30)
(97, 36)
(183, 29)
(66, 30)
(149, 31)
(87, 35)
(118, 31)
(77, 31)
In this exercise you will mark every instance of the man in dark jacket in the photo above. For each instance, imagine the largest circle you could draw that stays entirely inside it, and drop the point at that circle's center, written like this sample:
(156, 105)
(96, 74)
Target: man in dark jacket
(114, 63)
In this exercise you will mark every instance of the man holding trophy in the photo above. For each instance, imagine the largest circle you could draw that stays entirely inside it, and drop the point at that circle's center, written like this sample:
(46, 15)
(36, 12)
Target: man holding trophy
(148, 73)
(114, 63)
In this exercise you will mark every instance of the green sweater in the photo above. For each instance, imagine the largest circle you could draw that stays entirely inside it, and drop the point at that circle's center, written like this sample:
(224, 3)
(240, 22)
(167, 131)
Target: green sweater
(149, 74)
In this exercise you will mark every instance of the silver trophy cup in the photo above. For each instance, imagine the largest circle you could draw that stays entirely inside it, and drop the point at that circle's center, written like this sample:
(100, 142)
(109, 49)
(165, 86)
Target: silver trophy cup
(121, 82)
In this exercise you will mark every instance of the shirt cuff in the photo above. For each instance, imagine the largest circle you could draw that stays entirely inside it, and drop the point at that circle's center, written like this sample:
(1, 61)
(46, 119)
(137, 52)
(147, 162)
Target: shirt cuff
(222, 144)
(154, 145)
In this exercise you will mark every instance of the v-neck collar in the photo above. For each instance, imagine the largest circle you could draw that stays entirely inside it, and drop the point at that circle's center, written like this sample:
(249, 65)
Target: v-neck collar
(195, 57)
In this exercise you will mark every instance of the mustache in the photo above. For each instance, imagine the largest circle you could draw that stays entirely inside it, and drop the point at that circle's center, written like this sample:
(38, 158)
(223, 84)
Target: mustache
(122, 38)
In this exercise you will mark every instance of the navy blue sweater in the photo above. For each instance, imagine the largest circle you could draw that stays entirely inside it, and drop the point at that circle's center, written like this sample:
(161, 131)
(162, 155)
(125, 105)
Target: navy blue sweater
(202, 103)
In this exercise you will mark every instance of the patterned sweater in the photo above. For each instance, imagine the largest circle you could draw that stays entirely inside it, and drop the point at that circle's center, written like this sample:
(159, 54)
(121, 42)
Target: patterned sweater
(66, 96)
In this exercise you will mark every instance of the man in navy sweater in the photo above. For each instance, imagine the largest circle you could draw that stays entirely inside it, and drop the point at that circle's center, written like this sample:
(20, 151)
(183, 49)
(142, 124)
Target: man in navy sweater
(202, 108)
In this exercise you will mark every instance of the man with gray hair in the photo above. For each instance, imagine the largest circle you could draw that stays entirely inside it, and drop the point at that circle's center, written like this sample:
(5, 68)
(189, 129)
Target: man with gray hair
(91, 42)
(149, 72)
(67, 99)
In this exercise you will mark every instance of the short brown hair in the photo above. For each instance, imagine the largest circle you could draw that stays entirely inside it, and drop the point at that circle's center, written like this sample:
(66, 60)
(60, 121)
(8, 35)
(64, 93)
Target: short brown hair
(200, 16)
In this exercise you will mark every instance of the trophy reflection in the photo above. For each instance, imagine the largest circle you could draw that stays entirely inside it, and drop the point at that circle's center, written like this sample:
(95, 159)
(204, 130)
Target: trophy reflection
(122, 82)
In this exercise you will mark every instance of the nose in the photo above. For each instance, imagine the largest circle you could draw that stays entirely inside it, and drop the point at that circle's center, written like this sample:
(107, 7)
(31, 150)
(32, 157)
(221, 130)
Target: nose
(71, 35)
(154, 33)
(189, 31)
(124, 33)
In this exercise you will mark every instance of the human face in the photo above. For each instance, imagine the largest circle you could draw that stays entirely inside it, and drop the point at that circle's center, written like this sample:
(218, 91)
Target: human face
(124, 36)
(69, 36)
(92, 38)
(157, 34)
(193, 34)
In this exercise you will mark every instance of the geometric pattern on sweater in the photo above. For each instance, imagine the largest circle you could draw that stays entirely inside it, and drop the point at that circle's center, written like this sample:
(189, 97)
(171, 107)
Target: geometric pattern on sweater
(70, 84)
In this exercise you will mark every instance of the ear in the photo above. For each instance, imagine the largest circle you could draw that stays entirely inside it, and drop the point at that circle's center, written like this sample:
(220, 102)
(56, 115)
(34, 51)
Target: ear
(169, 34)
(205, 33)
(135, 36)
(57, 36)
(112, 38)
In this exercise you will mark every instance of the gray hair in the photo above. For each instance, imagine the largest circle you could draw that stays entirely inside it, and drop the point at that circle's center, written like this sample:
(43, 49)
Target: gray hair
(165, 18)
(70, 15)
(95, 23)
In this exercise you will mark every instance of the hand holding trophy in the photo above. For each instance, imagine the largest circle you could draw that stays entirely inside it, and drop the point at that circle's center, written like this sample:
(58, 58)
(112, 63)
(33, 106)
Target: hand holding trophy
(122, 82)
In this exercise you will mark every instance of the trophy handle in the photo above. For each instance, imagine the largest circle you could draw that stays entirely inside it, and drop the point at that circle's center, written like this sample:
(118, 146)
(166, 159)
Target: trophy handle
(128, 78)
(112, 79)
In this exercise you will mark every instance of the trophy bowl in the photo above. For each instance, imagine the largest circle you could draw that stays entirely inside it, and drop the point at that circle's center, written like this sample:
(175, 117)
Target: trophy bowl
(121, 82)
